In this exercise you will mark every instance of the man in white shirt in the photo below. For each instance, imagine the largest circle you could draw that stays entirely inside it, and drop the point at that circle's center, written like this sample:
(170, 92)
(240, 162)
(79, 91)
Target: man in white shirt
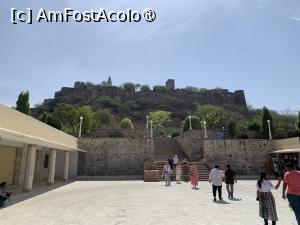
(216, 177)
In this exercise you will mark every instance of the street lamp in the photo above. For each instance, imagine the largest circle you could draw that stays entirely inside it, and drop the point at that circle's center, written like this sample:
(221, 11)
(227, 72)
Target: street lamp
(147, 122)
(269, 126)
(205, 132)
(151, 129)
(190, 122)
(80, 124)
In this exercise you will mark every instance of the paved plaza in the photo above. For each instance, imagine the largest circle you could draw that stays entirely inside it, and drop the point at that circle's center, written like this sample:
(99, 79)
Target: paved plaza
(138, 203)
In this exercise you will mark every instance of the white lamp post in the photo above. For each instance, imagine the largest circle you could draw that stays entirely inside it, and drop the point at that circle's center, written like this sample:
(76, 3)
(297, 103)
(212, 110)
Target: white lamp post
(80, 124)
(205, 132)
(190, 122)
(147, 122)
(151, 129)
(269, 126)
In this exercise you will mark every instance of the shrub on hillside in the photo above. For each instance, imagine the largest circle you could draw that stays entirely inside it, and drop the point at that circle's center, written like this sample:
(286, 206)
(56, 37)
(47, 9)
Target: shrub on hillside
(160, 88)
(130, 87)
(145, 88)
(106, 102)
(126, 123)
(195, 122)
(116, 134)
(242, 136)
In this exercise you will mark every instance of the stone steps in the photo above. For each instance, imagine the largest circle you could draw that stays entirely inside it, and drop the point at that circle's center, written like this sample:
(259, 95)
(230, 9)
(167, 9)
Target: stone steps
(165, 148)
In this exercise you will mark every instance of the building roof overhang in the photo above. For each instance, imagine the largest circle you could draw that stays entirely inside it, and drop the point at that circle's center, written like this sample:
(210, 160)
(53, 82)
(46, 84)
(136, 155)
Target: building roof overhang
(297, 150)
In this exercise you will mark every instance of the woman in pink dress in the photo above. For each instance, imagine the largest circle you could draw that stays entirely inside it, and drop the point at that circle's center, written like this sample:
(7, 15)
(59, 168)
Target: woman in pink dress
(194, 177)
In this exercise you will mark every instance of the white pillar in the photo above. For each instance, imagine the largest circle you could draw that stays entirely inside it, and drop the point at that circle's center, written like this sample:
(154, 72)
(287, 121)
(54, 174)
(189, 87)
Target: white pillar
(29, 168)
(269, 126)
(190, 122)
(21, 177)
(151, 129)
(147, 122)
(80, 125)
(66, 166)
(205, 131)
(52, 163)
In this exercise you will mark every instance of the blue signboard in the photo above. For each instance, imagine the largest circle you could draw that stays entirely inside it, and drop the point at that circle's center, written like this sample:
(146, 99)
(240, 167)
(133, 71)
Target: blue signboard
(219, 135)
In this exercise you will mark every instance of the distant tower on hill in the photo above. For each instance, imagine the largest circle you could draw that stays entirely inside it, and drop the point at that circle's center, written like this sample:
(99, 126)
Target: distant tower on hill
(170, 84)
(109, 82)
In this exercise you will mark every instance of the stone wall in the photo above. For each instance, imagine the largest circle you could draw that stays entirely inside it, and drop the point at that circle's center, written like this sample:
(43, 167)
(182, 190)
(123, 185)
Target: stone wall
(126, 133)
(114, 156)
(245, 156)
(192, 142)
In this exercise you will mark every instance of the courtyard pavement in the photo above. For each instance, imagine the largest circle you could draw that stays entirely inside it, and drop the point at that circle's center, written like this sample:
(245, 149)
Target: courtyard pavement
(139, 203)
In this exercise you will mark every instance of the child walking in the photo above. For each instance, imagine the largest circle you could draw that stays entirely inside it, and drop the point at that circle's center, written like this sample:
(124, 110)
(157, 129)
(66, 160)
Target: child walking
(178, 173)
(194, 177)
(167, 174)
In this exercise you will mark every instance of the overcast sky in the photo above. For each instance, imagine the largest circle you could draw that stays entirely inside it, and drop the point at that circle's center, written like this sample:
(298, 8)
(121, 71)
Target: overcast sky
(234, 44)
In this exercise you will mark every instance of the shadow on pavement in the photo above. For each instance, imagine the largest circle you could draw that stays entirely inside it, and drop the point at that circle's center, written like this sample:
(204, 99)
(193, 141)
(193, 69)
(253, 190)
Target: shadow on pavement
(110, 178)
(235, 199)
(222, 202)
(38, 189)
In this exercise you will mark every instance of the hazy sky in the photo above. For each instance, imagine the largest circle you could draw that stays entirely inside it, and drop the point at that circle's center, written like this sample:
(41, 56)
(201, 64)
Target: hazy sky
(234, 44)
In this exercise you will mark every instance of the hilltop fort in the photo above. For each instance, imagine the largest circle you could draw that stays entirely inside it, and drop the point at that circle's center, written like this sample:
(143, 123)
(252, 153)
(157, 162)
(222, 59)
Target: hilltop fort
(136, 103)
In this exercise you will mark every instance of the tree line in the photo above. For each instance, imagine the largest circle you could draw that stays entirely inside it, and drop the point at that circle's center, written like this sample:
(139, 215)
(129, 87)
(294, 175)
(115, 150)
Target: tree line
(65, 117)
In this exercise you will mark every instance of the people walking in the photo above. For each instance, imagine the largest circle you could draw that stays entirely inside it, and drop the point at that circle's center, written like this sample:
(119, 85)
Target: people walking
(230, 179)
(292, 182)
(216, 177)
(194, 176)
(167, 174)
(171, 163)
(276, 170)
(185, 170)
(267, 206)
(178, 173)
(175, 161)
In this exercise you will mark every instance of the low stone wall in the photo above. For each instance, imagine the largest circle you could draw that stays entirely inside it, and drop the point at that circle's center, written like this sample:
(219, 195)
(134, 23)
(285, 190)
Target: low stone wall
(119, 132)
(245, 156)
(114, 156)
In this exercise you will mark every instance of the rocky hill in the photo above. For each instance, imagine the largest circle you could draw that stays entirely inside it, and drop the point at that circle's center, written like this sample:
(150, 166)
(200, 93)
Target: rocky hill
(136, 104)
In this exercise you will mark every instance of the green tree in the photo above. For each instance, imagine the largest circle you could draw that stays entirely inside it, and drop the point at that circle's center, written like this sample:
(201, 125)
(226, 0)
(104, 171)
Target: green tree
(145, 88)
(130, 87)
(284, 125)
(69, 116)
(213, 115)
(137, 87)
(232, 129)
(266, 115)
(253, 125)
(44, 117)
(126, 123)
(51, 120)
(160, 88)
(160, 119)
(191, 89)
(88, 118)
(195, 121)
(106, 102)
(23, 104)
(104, 118)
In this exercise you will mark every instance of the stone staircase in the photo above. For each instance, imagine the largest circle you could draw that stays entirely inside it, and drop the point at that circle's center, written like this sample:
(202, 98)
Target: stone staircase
(165, 148)
(203, 172)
